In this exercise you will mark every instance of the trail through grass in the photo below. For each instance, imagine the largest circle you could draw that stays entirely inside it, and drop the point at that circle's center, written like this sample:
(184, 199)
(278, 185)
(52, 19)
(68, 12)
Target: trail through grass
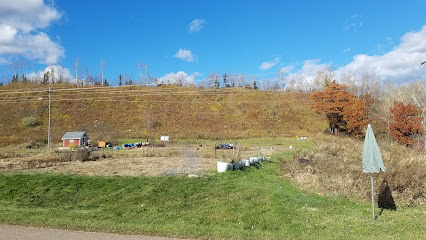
(255, 203)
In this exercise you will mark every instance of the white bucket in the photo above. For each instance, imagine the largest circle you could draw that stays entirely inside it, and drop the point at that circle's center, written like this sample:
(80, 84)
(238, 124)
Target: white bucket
(246, 163)
(222, 166)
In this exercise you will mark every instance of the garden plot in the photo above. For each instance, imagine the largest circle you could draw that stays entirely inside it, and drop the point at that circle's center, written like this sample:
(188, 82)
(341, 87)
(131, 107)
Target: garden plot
(172, 160)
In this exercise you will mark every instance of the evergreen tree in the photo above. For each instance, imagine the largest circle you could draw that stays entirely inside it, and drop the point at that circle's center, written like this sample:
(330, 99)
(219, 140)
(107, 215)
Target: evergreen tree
(15, 78)
(225, 83)
(24, 79)
(254, 85)
(216, 82)
(106, 82)
(46, 78)
(120, 81)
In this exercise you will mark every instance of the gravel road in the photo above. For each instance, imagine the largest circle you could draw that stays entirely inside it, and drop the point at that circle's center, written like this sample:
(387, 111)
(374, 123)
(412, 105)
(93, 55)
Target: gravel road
(12, 232)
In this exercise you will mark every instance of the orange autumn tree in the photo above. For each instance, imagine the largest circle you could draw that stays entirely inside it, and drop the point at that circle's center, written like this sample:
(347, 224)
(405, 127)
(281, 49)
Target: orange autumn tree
(407, 123)
(354, 114)
(333, 101)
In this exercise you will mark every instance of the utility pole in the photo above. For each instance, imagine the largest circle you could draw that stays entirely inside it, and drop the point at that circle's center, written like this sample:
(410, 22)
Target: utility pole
(48, 129)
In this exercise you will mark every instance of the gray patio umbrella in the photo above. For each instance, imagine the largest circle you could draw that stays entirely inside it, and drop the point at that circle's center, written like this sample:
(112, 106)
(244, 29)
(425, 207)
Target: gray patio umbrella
(372, 161)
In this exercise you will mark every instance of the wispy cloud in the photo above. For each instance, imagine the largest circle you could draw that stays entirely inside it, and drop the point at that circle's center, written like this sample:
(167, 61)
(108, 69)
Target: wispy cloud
(196, 25)
(21, 26)
(353, 23)
(347, 50)
(4, 61)
(185, 55)
(269, 64)
(286, 69)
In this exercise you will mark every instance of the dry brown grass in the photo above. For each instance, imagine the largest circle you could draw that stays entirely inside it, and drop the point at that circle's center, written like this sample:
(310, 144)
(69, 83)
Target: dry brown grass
(335, 166)
(175, 159)
(150, 112)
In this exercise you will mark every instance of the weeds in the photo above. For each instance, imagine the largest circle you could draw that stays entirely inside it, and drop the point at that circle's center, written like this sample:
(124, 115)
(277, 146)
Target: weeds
(335, 165)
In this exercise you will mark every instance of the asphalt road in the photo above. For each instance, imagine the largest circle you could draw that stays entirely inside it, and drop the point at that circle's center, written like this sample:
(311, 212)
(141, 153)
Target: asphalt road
(12, 232)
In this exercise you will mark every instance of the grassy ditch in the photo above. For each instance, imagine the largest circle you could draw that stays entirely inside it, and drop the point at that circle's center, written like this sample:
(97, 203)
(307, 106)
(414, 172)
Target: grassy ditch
(255, 203)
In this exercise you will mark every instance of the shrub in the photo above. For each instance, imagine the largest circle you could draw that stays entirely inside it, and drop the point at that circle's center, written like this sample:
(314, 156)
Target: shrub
(82, 154)
(29, 122)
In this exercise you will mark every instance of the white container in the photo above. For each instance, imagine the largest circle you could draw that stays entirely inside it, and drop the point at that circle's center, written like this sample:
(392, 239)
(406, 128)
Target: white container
(222, 166)
(246, 163)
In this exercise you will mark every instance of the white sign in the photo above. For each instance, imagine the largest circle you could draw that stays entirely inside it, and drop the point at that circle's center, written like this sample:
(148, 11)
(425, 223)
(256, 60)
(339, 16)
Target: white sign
(164, 138)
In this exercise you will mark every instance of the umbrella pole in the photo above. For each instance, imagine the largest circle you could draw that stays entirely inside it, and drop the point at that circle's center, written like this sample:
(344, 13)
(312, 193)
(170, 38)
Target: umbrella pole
(372, 194)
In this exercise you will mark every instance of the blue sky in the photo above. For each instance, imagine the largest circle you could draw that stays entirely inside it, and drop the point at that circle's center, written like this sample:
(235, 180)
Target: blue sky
(196, 38)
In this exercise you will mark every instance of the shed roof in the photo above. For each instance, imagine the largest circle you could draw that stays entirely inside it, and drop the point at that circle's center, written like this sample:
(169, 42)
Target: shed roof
(73, 135)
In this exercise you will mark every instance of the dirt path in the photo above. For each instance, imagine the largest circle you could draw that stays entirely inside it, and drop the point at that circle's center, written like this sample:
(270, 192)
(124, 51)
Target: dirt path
(12, 232)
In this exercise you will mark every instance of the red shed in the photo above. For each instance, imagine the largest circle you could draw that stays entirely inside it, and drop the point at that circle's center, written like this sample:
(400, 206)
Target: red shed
(79, 139)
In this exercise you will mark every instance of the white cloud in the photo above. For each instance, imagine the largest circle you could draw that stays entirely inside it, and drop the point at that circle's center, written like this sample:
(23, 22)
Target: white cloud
(400, 64)
(179, 78)
(307, 74)
(20, 30)
(59, 71)
(185, 55)
(347, 50)
(28, 15)
(269, 64)
(196, 25)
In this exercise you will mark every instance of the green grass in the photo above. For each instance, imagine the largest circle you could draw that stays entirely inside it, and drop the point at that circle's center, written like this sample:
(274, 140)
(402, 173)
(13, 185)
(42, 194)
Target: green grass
(255, 203)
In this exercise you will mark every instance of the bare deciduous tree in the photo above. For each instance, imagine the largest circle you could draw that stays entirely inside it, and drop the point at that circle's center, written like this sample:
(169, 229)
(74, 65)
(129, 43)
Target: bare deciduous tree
(76, 61)
(102, 64)
(52, 75)
(140, 72)
(146, 74)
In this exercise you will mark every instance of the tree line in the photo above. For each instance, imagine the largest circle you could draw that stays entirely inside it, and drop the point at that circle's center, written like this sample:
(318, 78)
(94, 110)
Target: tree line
(398, 111)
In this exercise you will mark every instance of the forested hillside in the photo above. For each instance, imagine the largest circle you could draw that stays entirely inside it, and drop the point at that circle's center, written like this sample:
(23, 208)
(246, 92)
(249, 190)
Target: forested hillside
(110, 113)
